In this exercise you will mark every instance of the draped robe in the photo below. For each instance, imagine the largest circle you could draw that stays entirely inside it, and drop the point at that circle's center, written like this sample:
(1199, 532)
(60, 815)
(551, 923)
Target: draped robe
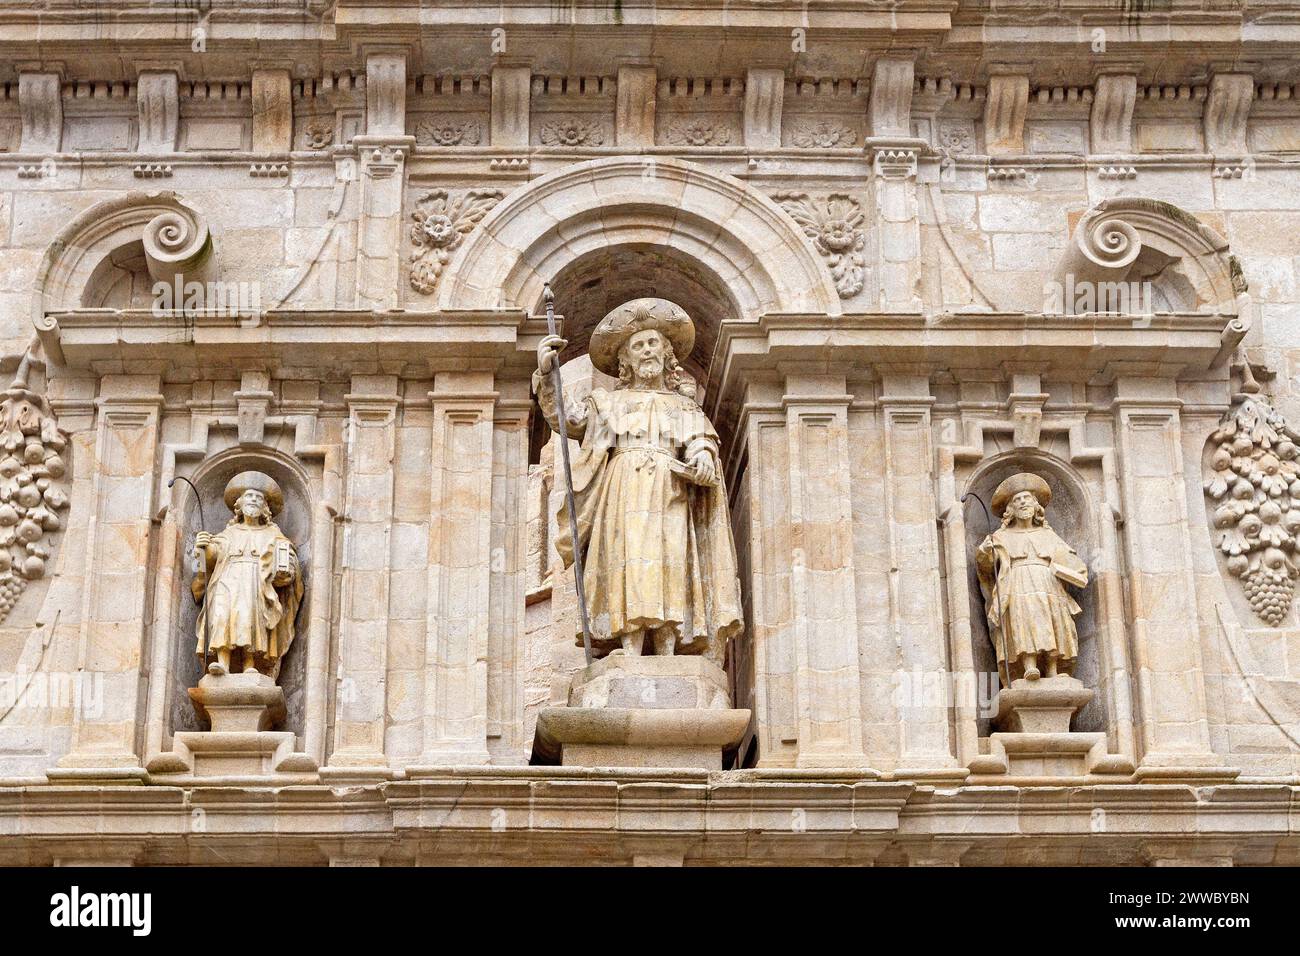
(658, 549)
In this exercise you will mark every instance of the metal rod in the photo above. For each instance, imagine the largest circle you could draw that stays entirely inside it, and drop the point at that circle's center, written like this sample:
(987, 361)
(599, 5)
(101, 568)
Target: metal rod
(997, 600)
(563, 420)
(203, 566)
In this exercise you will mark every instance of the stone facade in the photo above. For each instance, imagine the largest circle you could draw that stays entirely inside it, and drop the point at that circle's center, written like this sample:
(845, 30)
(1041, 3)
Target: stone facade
(925, 248)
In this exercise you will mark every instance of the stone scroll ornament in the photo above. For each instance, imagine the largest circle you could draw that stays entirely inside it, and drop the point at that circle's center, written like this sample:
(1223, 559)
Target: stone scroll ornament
(834, 225)
(442, 220)
(1255, 480)
(33, 491)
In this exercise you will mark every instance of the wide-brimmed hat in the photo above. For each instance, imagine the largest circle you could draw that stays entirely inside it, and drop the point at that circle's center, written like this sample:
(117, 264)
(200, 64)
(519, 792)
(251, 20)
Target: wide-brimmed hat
(254, 481)
(1023, 481)
(629, 318)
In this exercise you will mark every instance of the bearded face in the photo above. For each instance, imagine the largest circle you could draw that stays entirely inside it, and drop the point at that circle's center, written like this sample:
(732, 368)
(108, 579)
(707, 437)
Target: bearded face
(646, 354)
(252, 507)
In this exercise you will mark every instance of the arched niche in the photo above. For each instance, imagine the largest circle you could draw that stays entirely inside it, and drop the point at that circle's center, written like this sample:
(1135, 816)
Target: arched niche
(112, 254)
(738, 235)
(1138, 240)
(210, 478)
(1072, 516)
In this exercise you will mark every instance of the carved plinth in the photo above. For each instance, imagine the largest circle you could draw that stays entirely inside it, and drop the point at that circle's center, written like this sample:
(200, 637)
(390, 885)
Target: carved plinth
(238, 702)
(648, 711)
(1034, 744)
(240, 748)
(1042, 706)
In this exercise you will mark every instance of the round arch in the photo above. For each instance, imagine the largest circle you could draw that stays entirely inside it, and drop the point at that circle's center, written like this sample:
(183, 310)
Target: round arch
(157, 226)
(731, 230)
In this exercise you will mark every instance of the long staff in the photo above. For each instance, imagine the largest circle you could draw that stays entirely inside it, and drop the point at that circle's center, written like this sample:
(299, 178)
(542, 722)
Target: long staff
(997, 601)
(563, 420)
(202, 558)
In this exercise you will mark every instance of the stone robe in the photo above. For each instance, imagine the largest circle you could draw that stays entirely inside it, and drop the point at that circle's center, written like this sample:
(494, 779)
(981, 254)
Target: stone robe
(1035, 614)
(244, 607)
(658, 548)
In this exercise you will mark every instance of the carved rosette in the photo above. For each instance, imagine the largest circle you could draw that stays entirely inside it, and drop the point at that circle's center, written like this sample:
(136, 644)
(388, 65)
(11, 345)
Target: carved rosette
(822, 134)
(697, 132)
(448, 131)
(33, 489)
(1254, 480)
(442, 220)
(834, 225)
(571, 131)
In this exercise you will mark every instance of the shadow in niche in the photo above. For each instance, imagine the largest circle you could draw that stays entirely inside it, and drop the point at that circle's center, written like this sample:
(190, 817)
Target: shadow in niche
(295, 521)
(1070, 516)
(586, 290)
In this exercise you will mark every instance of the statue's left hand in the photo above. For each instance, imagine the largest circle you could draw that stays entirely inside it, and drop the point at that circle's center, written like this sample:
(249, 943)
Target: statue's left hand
(702, 464)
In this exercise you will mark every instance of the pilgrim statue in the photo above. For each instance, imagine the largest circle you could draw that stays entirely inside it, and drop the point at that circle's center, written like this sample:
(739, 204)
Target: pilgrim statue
(659, 558)
(1023, 568)
(249, 581)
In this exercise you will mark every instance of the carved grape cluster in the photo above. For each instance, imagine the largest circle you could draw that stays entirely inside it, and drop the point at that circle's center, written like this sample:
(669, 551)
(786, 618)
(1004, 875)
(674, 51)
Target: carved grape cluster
(1255, 477)
(32, 492)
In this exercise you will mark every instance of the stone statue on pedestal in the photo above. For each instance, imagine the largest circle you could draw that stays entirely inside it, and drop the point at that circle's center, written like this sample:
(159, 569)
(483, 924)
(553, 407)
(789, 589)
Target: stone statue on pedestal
(249, 581)
(1023, 568)
(660, 560)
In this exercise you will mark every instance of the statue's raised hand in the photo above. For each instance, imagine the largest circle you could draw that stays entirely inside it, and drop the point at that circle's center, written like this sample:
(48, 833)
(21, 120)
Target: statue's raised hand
(548, 352)
(202, 540)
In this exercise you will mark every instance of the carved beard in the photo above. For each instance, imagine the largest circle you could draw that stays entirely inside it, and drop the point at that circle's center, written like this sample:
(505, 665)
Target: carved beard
(258, 516)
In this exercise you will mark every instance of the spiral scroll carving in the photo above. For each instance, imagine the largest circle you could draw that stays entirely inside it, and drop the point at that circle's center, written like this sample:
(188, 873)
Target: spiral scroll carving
(176, 242)
(1109, 242)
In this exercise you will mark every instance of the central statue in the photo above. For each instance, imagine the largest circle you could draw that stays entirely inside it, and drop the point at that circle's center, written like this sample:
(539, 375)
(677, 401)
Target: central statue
(659, 558)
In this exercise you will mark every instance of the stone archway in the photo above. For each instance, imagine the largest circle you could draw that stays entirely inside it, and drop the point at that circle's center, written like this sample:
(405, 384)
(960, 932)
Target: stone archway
(746, 248)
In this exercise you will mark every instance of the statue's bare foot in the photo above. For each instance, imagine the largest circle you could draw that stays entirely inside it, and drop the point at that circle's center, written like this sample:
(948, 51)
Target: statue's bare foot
(217, 670)
(1031, 672)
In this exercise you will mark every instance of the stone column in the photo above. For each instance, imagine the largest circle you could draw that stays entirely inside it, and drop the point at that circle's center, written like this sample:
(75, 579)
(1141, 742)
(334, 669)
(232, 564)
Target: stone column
(113, 611)
(1174, 730)
(460, 565)
(898, 239)
(511, 89)
(272, 112)
(360, 699)
(157, 101)
(764, 96)
(382, 159)
(634, 119)
(505, 658)
(801, 549)
(915, 590)
(40, 100)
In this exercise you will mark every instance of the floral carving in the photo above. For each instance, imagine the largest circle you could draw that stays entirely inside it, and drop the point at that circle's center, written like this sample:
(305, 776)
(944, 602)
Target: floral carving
(318, 134)
(571, 131)
(32, 487)
(697, 132)
(442, 220)
(822, 135)
(1255, 478)
(957, 139)
(835, 227)
(446, 131)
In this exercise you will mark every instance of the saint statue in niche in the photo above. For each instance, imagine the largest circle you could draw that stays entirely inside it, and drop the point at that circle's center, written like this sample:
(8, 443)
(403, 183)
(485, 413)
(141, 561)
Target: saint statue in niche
(1023, 568)
(248, 580)
(659, 558)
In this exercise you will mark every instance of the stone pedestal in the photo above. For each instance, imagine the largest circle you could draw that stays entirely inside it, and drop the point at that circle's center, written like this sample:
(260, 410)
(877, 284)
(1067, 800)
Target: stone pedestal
(1034, 744)
(648, 711)
(240, 748)
(1042, 706)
